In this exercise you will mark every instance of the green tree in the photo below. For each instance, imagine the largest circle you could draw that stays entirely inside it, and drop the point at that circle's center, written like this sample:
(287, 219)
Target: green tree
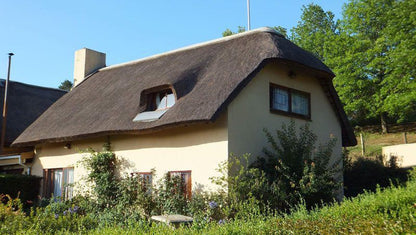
(372, 51)
(66, 85)
(380, 59)
(228, 31)
(241, 29)
(315, 30)
(281, 30)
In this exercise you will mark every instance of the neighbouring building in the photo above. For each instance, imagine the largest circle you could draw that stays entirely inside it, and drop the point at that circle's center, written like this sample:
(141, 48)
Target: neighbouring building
(25, 103)
(183, 112)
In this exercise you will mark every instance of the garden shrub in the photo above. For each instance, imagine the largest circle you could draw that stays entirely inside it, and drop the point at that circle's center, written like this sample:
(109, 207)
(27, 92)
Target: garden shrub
(125, 199)
(299, 170)
(293, 170)
(170, 195)
(102, 174)
(366, 174)
(26, 187)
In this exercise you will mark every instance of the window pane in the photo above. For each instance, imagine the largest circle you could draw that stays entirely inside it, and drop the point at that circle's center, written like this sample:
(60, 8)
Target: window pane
(69, 183)
(280, 99)
(165, 100)
(185, 177)
(146, 182)
(57, 183)
(300, 104)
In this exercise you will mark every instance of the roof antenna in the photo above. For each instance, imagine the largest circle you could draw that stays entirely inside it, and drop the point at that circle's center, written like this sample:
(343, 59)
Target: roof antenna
(248, 15)
(3, 130)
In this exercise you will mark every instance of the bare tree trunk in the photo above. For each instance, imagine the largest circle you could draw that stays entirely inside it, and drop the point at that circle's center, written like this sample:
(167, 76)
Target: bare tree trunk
(384, 128)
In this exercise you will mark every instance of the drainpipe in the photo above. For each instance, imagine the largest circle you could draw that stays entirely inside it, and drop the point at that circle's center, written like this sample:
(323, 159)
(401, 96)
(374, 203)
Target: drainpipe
(3, 131)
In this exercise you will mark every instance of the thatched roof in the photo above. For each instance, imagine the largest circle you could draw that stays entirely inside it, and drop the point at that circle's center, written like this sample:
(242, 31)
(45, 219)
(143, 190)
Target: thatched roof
(25, 104)
(206, 77)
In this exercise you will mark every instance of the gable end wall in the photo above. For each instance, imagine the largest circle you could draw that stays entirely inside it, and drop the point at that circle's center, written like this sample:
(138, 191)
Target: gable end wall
(249, 112)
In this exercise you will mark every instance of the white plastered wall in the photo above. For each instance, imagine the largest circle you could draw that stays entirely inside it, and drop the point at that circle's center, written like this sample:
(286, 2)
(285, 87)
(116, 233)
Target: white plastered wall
(405, 154)
(199, 148)
(249, 112)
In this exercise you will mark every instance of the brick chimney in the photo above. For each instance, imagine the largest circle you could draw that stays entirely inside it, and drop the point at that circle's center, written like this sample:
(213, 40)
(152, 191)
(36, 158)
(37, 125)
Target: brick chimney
(86, 62)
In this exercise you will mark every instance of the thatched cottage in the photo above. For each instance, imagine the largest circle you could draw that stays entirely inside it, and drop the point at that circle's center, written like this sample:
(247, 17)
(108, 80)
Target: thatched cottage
(25, 103)
(187, 110)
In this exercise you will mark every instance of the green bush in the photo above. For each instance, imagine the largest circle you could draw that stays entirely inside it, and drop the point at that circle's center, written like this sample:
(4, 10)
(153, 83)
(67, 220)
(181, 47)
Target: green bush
(386, 211)
(26, 187)
(126, 200)
(367, 174)
(294, 170)
(101, 168)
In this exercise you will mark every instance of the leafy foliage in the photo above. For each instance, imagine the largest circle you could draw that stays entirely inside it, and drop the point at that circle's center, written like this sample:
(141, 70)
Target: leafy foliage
(293, 171)
(367, 175)
(315, 30)
(241, 29)
(24, 187)
(386, 211)
(228, 32)
(372, 52)
(66, 85)
(102, 174)
(298, 170)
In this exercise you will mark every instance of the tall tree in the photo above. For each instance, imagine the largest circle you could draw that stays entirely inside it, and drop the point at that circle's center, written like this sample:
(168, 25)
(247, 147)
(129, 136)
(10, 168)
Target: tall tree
(228, 31)
(66, 85)
(314, 30)
(380, 55)
(241, 29)
(372, 50)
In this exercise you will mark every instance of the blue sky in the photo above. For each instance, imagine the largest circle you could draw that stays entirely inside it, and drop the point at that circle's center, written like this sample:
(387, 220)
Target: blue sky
(44, 34)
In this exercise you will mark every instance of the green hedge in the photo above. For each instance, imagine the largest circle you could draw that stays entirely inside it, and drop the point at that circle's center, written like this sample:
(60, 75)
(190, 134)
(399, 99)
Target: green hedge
(27, 185)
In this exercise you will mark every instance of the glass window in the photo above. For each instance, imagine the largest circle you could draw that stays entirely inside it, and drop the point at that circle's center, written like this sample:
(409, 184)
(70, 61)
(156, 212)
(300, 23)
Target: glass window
(157, 104)
(165, 101)
(146, 181)
(289, 101)
(300, 103)
(280, 99)
(186, 180)
(59, 183)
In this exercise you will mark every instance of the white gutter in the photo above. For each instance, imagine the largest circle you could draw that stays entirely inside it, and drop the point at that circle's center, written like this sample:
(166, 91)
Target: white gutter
(15, 157)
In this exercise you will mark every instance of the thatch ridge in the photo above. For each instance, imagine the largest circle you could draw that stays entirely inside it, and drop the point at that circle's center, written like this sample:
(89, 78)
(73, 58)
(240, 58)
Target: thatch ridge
(206, 78)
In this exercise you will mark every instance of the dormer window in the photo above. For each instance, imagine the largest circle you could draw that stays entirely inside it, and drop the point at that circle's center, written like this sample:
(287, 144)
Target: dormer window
(157, 102)
(160, 100)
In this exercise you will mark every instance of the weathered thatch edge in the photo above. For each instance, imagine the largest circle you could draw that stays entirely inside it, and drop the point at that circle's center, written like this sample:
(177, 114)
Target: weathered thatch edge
(110, 133)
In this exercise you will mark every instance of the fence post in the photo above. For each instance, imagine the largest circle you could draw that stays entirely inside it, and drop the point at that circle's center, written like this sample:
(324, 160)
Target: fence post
(362, 145)
(405, 137)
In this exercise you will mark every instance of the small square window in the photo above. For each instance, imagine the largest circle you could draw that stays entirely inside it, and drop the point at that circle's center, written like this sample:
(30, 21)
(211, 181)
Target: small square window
(289, 101)
(280, 99)
(145, 180)
(300, 103)
(58, 182)
(186, 180)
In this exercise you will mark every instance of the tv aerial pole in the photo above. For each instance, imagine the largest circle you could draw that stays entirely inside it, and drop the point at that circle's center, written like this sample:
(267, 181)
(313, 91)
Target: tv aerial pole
(6, 87)
(248, 15)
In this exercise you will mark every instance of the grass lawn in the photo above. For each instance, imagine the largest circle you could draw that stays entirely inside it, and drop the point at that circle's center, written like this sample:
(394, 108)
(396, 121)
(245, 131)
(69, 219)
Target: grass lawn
(374, 142)
(388, 211)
